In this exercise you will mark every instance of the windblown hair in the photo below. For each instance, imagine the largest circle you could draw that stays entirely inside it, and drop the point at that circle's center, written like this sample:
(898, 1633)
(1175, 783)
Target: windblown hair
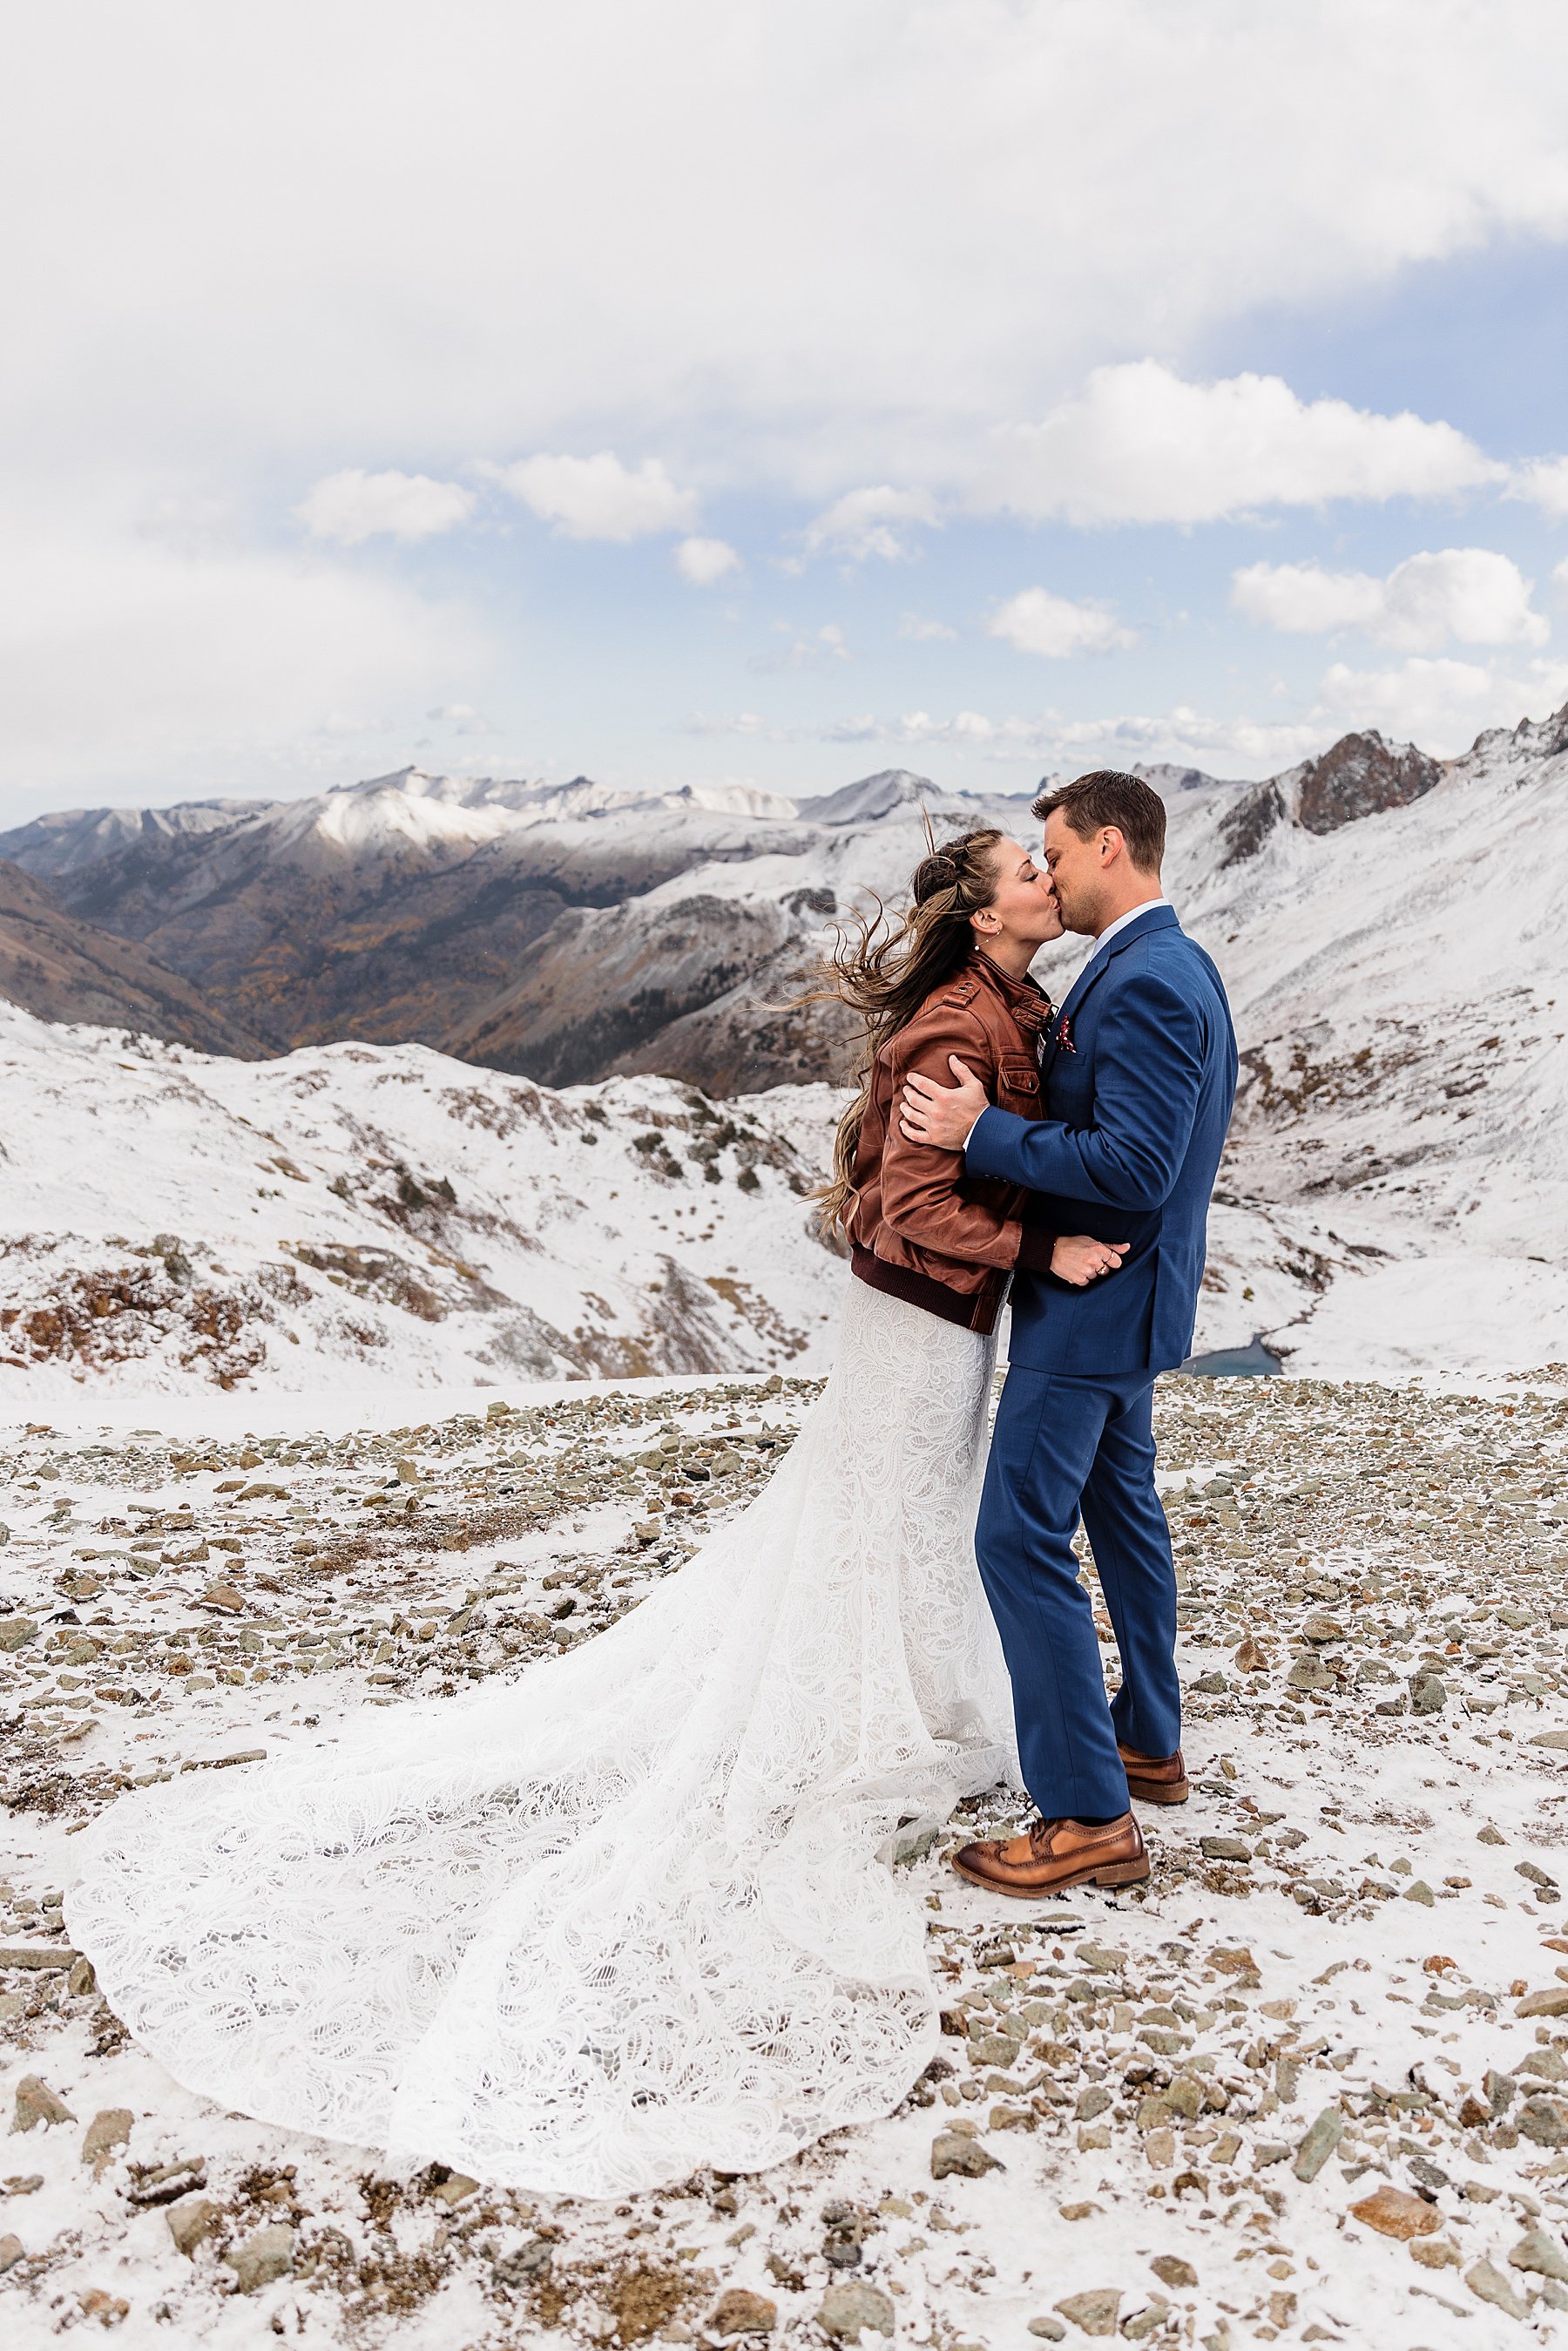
(1106, 797)
(885, 968)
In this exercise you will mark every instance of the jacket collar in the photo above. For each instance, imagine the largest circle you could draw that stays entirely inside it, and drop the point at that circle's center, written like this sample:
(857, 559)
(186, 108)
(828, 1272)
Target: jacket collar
(1156, 918)
(1159, 916)
(1025, 999)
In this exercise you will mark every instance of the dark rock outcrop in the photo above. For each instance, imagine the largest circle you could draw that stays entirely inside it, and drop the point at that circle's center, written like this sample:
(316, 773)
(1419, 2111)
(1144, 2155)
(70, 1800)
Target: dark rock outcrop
(1244, 827)
(1358, 775)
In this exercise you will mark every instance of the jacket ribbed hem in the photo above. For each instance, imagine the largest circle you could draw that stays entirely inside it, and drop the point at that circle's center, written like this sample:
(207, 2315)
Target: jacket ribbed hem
(970, 1313)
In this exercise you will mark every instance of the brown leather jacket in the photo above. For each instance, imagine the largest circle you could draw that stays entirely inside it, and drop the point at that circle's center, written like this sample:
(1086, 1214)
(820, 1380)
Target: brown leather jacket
(918, 1227)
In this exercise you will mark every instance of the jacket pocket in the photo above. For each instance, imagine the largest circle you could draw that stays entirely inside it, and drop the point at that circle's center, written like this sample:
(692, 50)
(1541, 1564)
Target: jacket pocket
(1018, 1083)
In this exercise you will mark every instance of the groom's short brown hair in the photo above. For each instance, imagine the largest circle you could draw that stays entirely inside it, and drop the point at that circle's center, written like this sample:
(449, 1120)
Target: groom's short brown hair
(1107, 797)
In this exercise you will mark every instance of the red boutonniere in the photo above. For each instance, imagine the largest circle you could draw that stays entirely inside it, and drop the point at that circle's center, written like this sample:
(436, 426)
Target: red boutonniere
(1064, 1036)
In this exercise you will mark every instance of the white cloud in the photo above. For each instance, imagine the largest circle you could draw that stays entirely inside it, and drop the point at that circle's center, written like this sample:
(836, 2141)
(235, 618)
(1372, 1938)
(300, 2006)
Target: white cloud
(1545, 483)
(1140, 445)
(126, 658)
(879, 522)
(1559, 578)
(322, 292)
(321, 296)
(1469, 593)
(701, 561)
(1035, 622)
(463, 716)
(819, 650)
(1228, 745)
(598, 497)
(1443, 704)
(352, 506)
(921, 632)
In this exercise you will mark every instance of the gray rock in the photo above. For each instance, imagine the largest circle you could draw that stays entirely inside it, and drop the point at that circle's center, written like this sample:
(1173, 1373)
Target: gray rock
(169, 2181)
(455, 2190)
(1225, 1848)
(955, 2152)
(741, 2312)
(1171, 2270)
(37, 2103)
(1309, 1673)
(15, 1631)
(11, 2251)
(1427, 1695)
(1049, 2330)
(266, 2255)
(994, 2049)
(191, 2220)
(1553, 2001)
(1544, 2121)
(105, 2132)
(529, 2261)
(1488, 2284)
(1539, 2251)
(846, 2309)
(1319, 2144)
(1093, 2312)
(1420, 1892)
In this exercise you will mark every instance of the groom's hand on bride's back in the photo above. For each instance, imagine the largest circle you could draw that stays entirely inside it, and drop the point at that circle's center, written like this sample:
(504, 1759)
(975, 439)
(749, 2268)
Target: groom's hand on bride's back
(945, 1117)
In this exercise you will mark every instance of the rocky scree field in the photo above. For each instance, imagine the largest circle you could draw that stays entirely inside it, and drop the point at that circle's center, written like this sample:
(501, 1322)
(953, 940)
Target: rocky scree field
(1311, 2084)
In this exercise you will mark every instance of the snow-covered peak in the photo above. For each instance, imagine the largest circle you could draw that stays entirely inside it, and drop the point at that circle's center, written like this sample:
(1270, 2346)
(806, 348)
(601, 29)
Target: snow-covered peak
(873, 797)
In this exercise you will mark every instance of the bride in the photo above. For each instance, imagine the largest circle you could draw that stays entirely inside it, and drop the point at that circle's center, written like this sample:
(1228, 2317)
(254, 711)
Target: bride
(631, 1910)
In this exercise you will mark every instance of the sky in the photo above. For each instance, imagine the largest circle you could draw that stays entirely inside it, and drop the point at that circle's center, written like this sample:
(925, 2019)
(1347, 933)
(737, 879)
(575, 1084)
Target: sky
(678, 391)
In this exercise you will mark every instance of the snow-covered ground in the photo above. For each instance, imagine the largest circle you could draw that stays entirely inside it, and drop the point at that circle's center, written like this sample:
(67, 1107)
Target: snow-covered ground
(1310, 2086)
(385, 1216)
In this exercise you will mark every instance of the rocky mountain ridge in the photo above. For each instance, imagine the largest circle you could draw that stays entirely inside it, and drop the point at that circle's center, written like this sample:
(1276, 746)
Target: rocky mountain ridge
(566, 932)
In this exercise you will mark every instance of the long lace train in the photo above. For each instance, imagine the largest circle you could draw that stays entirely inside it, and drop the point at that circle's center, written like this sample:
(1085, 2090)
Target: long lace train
(628, 1911)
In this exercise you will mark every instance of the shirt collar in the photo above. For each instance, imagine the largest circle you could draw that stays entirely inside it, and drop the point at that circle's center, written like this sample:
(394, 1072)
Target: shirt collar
(1108, 933)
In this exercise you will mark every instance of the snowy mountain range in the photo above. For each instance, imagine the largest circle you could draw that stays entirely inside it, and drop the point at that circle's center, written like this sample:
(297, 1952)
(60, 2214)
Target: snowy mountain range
(1390, 928)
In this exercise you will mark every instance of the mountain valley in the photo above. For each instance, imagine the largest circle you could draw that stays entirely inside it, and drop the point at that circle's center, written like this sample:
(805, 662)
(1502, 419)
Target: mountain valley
(569, 993)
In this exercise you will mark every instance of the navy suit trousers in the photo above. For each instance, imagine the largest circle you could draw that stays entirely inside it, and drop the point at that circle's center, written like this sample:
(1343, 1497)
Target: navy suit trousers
(1067, 1443)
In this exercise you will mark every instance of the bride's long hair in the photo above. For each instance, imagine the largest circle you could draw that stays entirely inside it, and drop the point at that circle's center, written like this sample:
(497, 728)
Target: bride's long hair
(885, 968)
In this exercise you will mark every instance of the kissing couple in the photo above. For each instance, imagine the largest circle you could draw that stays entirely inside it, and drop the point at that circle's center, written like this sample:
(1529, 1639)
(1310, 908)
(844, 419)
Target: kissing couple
(632, 1908)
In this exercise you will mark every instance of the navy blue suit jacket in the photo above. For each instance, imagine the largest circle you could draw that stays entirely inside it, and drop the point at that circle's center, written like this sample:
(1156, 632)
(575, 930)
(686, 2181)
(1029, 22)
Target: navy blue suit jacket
(1138, 1075)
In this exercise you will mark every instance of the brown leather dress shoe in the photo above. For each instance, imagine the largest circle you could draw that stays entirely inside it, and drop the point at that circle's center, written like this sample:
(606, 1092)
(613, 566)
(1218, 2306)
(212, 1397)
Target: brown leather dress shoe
(1155, 1778)
(1055, 1854)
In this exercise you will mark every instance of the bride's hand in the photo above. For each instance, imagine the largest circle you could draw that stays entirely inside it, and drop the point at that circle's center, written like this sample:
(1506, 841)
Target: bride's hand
(1080, 1260)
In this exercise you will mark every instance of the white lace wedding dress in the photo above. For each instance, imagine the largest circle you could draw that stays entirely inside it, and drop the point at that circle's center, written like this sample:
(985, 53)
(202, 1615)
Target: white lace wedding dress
(630, 1911)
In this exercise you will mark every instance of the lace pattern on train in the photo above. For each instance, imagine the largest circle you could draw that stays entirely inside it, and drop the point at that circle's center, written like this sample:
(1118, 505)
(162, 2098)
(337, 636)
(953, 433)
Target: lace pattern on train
(629, 1910)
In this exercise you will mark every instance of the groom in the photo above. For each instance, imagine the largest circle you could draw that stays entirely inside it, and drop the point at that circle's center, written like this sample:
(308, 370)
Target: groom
(1138, 1072)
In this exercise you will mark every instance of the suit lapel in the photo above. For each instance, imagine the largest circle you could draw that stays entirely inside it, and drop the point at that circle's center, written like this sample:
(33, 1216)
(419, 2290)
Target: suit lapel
(1159, 918)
